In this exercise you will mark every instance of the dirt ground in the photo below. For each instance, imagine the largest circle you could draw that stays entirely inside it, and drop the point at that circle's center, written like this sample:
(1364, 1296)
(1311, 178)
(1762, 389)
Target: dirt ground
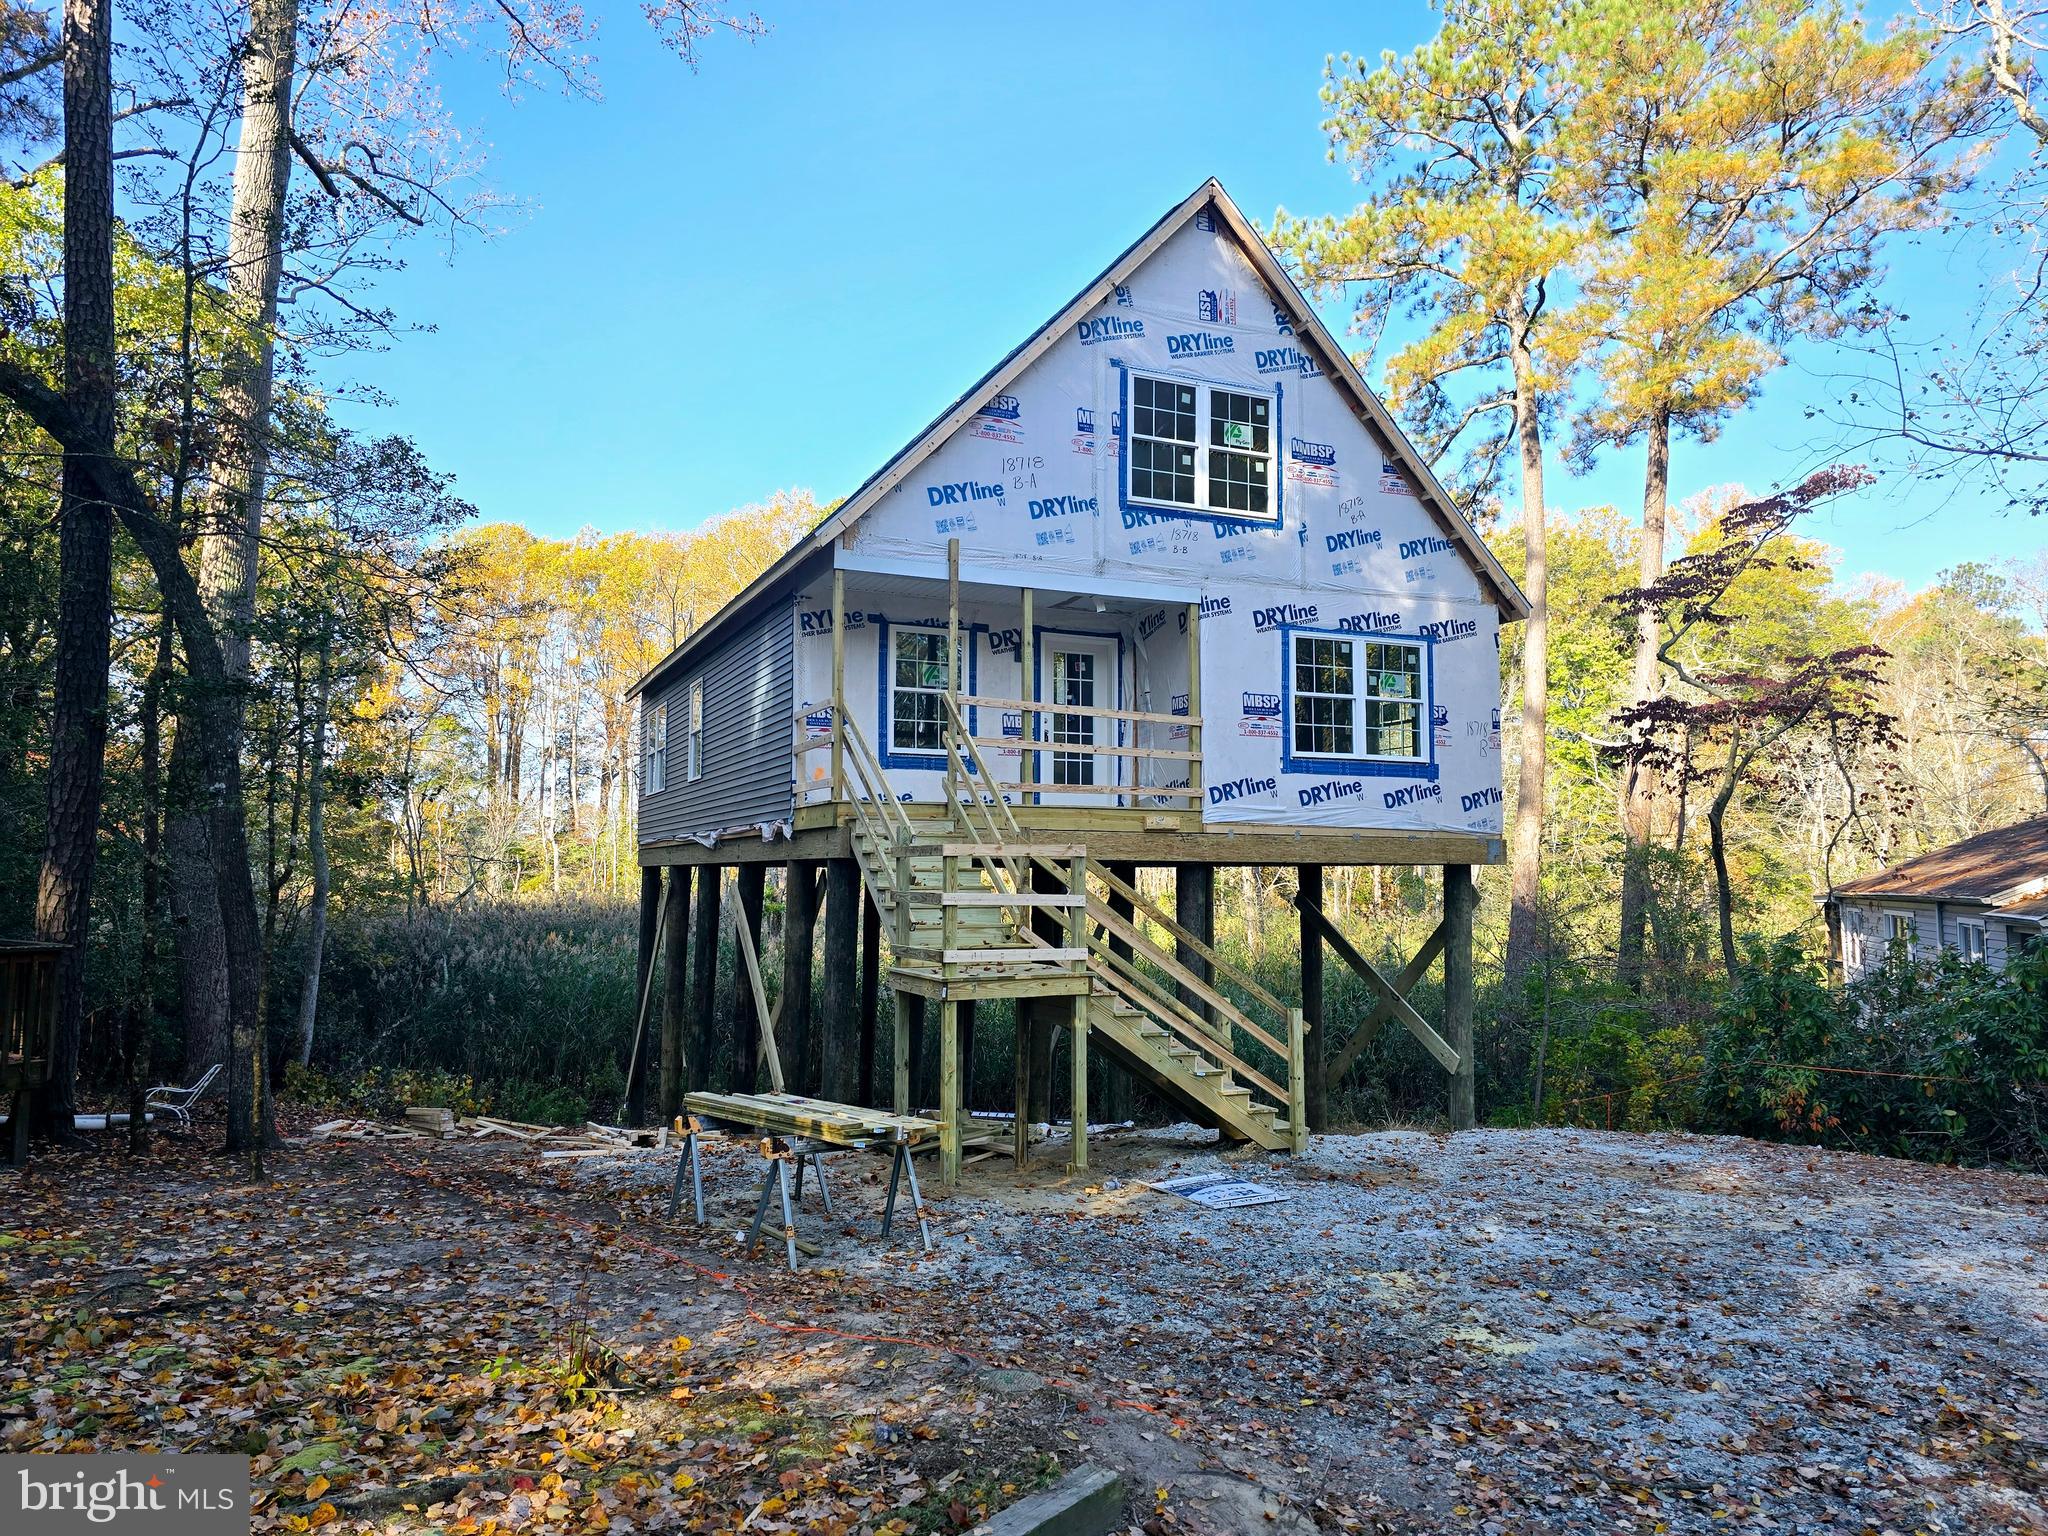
(1498, 1332)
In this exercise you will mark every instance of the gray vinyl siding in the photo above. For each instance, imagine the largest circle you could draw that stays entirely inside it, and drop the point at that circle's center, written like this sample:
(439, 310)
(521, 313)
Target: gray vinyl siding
(1869, 917)
(749, 695)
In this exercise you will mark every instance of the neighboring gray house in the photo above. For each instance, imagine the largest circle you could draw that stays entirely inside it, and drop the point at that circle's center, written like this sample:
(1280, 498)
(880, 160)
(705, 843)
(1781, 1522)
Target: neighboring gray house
(1984, 897)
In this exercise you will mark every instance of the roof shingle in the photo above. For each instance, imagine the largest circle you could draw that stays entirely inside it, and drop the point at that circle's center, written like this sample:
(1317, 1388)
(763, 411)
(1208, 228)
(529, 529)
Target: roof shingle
(2002, 863)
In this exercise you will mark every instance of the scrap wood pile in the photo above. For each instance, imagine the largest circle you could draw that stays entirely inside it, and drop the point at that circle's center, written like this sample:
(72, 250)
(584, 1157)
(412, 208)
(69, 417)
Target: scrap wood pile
(552, 1141)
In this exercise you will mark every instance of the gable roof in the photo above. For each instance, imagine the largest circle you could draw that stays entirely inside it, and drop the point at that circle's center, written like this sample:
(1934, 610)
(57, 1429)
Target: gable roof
(2004, 867)
(1309, 332)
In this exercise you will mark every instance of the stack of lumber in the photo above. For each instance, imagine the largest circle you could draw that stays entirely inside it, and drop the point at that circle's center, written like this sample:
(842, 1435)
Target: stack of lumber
(552, 1141)
(365, 1130)
(794, 1115)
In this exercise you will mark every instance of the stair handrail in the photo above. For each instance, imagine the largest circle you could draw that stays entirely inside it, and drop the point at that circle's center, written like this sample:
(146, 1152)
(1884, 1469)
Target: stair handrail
(1217, 1040)
(1137, 988)
(880, 803)
(1218, 965)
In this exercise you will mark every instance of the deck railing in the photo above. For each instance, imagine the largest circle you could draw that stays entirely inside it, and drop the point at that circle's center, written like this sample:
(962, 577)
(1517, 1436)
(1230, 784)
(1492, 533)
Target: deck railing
(1233, 1032)
(1038, 724)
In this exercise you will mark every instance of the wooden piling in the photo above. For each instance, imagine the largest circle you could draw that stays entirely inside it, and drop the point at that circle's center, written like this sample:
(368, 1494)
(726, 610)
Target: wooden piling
(704, 982)
(837, 1024)
(1037, 1017)
(1460, 898)
(949, 1092)
(870, 989)
(915, 1061)
(675, 993)
(1078, 1062)
(1309, 880)
(799, 941)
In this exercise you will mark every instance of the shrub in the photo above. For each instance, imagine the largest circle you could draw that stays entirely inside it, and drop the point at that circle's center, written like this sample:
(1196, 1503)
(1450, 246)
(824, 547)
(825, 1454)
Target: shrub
(518, 1008)
(1945, 1060)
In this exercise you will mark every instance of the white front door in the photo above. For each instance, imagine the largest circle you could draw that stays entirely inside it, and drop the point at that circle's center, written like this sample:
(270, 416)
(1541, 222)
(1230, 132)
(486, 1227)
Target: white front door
(1078, 671)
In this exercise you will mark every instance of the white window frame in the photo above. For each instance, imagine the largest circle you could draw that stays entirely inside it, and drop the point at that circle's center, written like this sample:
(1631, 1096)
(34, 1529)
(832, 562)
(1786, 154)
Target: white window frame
(696, 737)
(896, 632)
(1362, 694)
(654, 749)
(1966, 927)
(1893, 916)
(1201, 506)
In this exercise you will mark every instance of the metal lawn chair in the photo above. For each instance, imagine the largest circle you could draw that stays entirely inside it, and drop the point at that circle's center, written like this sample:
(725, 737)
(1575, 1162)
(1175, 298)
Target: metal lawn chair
(177, 1102)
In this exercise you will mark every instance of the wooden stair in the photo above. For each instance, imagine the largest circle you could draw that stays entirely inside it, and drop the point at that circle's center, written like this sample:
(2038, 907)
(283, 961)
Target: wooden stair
(1208, 1091)
(963, 899)
(1005, 951)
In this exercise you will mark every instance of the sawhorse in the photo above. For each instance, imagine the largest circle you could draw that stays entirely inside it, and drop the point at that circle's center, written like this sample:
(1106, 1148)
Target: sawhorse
(780, 1154)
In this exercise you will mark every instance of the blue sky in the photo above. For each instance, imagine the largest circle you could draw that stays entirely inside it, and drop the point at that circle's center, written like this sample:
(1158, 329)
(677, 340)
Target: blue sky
(772, 273)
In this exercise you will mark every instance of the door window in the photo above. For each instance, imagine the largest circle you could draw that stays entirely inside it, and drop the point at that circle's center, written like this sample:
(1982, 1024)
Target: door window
(1073, 683)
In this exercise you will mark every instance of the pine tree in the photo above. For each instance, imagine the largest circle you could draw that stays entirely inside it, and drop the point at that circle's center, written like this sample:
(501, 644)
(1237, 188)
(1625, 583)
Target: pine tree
(1458, 143)
(1743, 161)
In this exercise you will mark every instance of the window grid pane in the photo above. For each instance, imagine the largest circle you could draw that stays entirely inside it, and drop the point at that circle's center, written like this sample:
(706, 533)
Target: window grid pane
(1240, 451)
(1162, 440)
(917, 708)
(1325, 723)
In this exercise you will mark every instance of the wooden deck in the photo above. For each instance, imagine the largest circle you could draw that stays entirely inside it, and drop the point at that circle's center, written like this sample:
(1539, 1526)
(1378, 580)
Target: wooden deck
(1114, 834)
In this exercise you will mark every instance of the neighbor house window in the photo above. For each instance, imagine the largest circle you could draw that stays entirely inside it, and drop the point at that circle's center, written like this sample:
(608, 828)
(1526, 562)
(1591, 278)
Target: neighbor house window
(1201, 447)
(1899, 930)
(917, 690)
(1357, 698)
(696, 764)
(1970, 939)
(654, 747)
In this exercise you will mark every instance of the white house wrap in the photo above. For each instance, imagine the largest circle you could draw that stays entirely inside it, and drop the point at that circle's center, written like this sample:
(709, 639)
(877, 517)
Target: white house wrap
(1036, 484)
(1165, 587)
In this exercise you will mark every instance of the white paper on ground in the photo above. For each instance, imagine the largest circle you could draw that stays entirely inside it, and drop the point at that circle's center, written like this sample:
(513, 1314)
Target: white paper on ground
(1219, 1191)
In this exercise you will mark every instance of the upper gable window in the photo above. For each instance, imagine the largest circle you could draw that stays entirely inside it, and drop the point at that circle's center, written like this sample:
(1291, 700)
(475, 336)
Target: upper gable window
(1201, 446)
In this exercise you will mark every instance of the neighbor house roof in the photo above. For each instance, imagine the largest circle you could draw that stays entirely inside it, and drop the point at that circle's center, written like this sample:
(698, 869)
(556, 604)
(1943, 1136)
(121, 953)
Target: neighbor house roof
(1310, 332)
(2006, 868)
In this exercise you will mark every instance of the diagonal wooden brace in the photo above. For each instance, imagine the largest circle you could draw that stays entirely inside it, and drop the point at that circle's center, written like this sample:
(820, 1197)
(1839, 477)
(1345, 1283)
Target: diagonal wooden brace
(1393, 1001)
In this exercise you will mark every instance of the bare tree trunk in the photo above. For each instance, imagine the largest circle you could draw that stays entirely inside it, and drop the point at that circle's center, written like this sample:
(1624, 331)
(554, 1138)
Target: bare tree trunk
(143, 1015)
(1724, 889)
(1639, 787)
(78, 716)
(1526, 858)
(232, 520)
(316, 838)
